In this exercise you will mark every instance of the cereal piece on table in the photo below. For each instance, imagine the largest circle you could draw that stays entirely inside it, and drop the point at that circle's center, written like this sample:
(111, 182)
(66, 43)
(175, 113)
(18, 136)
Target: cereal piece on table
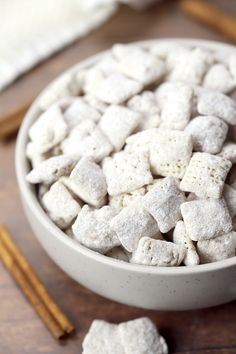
(192, 66)
(126, 172)
(141, 141)
(96, 103)
(88, 182)
(48, 130)
(80, 110)
(117, 124)
(218, 78)
(140, 336)
(119, 253)
(86, 139)
(208, 133)
(229, 152)
(180, 237)
(92, 229)
(229, 195)
(116, 88)
(159, 253)
(176, 111)
(60, 205)
(219, 105)
(216, 249)
(206, 219)
(139, 64)
(34, 155)
(133, 223)
(121, 201)
(170, 153)
(52, 169)
(163, 203)
(102, 338)
(205, 175)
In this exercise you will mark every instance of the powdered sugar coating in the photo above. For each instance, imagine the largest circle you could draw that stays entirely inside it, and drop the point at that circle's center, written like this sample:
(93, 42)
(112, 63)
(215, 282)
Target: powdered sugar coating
(177, 108)
(142, 141)
(60, 205)
(49, 129)
(205, 175)
(170, 153)
(163, 203)
(180, 237)
(133, 223)
(92, 143)
(229, 152)
(198, 216)
(192, 66)
(229, 195)
(218, 248)
(218, 78)
(34, 155)
(118, 123)
(126, 172)
(217, 104)
(146, 104)
(78, 111)
(121, 201)
(153, 252)
(116, 88)
(102, 338)
(139, 64)
(50, 170)
(87, 181)
(92, 228)
(208, 133)
(140, 336)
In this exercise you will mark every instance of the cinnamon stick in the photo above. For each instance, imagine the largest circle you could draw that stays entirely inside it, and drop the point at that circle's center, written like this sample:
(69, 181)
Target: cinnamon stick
(33, 288)
(12, 121)
(211, 15)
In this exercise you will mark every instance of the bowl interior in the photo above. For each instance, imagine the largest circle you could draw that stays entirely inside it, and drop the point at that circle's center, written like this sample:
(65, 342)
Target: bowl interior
(29, 195)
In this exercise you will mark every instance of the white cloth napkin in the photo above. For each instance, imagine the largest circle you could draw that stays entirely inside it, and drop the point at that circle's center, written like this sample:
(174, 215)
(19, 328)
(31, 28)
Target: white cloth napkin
(31, 30)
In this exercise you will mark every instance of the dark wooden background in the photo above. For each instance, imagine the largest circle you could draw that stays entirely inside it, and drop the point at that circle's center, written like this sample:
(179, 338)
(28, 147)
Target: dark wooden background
(21, 332)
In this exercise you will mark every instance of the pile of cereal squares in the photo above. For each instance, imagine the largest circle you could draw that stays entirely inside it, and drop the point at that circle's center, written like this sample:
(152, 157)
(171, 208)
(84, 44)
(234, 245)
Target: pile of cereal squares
(133, 157)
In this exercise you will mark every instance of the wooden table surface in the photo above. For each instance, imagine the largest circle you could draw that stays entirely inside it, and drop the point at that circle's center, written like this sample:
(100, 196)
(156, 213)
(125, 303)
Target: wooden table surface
(21, 332)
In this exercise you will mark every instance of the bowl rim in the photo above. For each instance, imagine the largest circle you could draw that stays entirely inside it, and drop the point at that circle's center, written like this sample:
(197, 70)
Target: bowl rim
(29, 197)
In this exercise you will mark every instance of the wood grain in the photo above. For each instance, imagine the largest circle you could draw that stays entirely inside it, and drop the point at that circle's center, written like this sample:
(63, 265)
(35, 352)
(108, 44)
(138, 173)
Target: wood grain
(210, 331)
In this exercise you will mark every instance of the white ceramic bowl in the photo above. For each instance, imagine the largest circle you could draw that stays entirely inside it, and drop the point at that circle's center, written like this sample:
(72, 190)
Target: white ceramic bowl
(174, 288)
